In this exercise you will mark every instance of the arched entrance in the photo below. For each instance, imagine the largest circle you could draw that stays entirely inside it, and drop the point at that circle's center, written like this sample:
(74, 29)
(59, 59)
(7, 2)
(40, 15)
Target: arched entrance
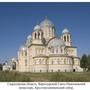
(14, 66)
(74, 70)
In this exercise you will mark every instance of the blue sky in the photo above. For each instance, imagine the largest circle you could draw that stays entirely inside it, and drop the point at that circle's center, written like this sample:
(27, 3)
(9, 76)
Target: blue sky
(18, 19)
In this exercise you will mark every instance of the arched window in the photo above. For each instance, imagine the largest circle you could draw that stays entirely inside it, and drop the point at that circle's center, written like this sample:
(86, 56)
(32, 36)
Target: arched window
(61, 50)
(52, 50)
(38, 35)
(52, 62)
(64, 61)
(40, 61)
(25, 53)
(25, 62)
(46, 61)
(58, 61)
(43, 61)
(70, 62)
(56, 50)
(65, 38)
(73, 62)
(35, 35)
(42, 34)
(42, 51)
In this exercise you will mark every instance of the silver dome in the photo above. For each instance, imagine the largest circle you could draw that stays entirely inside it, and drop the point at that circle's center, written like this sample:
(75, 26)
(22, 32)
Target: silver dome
(13, 59)
(56, 42)
(46, 22)
(28, 41)
(37, 27)
(29, 37)
(65, 30)
(22, 48)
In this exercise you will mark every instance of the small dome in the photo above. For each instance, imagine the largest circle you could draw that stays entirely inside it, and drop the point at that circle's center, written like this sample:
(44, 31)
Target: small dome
(13, 59)
(65, 30)
(46, 22)
(29, 37)
(23, 48)
(37, 27)
(56, 42)
(28, 41)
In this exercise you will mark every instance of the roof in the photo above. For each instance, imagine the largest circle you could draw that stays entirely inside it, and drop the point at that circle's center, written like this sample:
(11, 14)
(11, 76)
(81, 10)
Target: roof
(37, 27)
(56, 42)
(65, 30)
(46, 22)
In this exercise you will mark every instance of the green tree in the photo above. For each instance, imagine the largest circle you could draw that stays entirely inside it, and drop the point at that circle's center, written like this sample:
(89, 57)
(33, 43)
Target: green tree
(88, 62)
(84, 62)
(0, 66)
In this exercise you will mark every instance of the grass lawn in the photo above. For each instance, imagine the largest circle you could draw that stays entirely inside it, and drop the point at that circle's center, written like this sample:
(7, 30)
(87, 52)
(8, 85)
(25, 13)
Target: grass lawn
(6, 76)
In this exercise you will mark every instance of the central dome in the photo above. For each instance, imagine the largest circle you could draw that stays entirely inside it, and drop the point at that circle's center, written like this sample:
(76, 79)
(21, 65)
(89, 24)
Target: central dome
(46, 22)
(56, 42)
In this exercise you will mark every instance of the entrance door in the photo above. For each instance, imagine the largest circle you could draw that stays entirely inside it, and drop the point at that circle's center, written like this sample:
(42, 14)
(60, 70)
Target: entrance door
(73, 70)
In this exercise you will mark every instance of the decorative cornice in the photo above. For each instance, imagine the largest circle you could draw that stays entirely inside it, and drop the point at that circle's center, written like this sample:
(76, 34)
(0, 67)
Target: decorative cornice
(40, 56)
(70, 47)
(36, 45)
(53, 55)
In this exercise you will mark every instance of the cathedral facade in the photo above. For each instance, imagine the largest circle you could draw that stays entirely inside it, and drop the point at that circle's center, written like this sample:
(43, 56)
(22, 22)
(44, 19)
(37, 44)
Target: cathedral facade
(44, 52)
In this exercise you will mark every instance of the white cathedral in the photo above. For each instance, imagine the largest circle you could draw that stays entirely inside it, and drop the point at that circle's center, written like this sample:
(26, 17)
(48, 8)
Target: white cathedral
(44, 52)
